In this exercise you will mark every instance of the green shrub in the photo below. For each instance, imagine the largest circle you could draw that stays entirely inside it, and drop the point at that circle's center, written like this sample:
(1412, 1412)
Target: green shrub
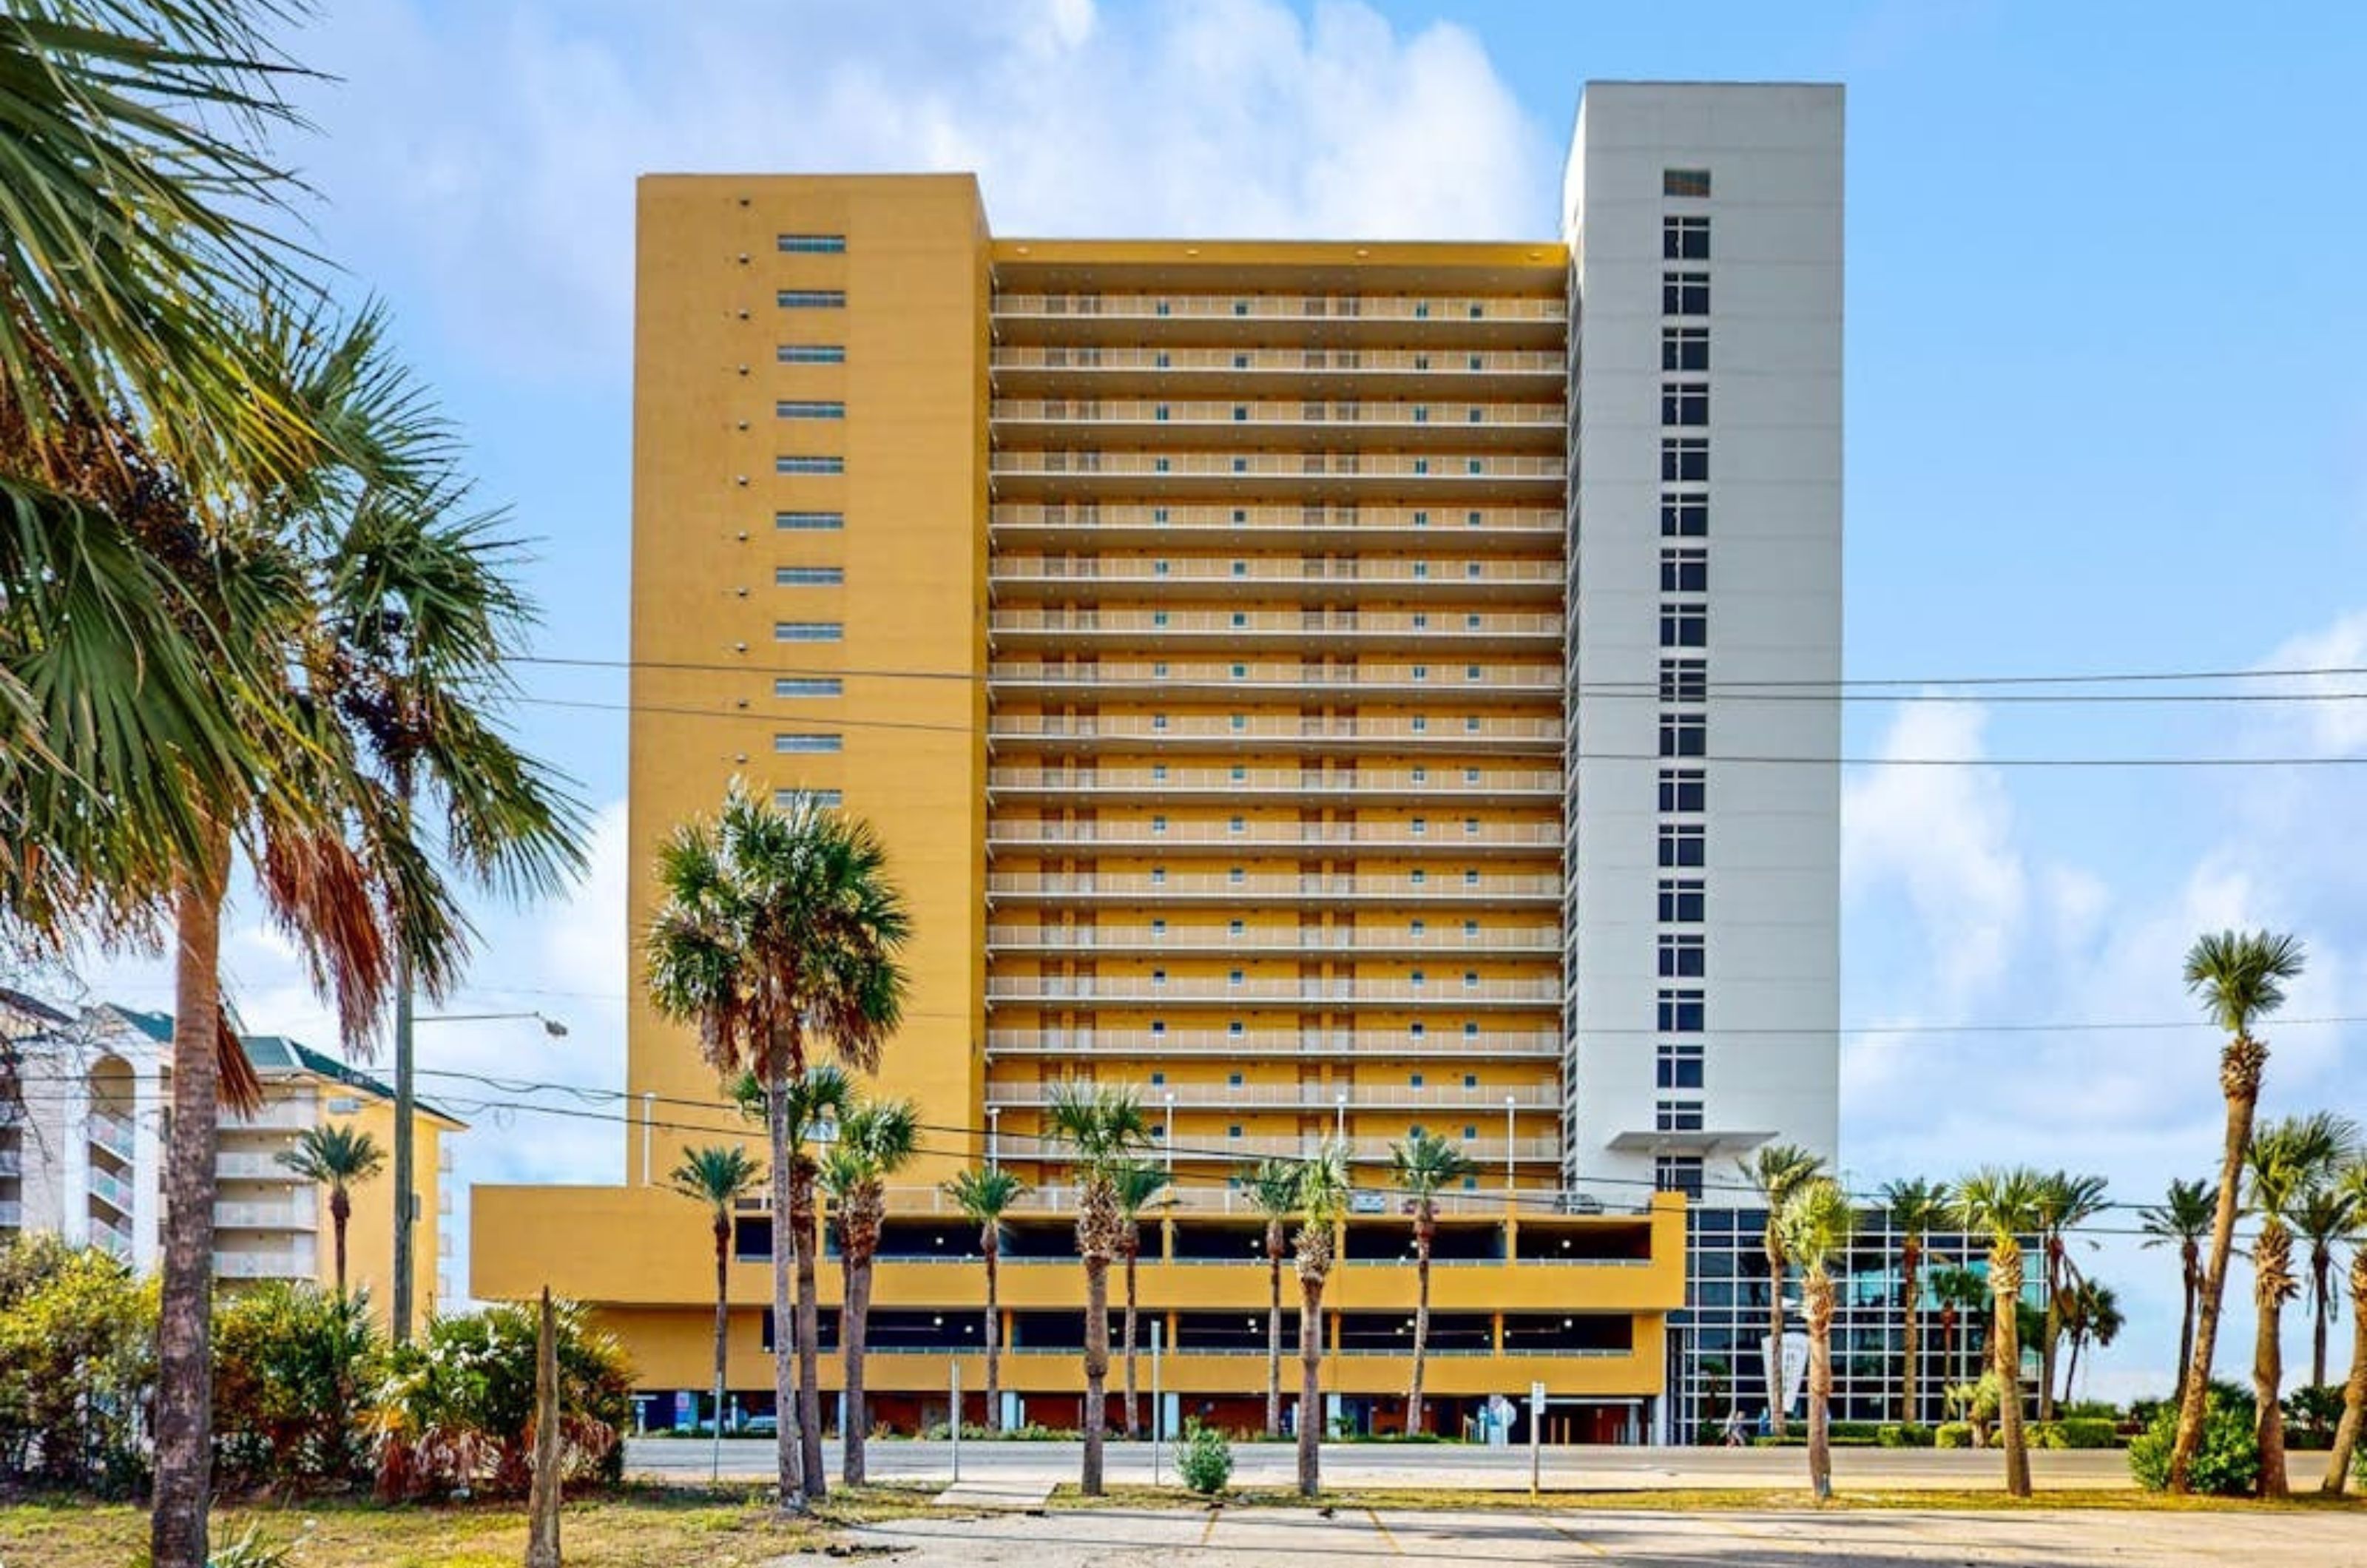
(2082, 1432)
(1903, 1434)
(1206, 1461)
(1855, 1431)
(250, 1549)
(1952, 1435)
(2311, 1414)
(77, 1362)
(2226, 1464)
(2091, 1410)
(292, 1367)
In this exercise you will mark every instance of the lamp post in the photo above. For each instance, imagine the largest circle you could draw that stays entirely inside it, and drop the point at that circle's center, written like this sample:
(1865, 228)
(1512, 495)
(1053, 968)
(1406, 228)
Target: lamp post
(1170, 1135)
(995, 1138)
(1339, 1119)
(1510, 1102)
(406, 1205)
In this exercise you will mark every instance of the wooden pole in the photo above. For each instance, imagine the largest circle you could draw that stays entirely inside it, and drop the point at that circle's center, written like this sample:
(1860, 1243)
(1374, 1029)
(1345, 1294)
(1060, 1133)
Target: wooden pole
(542, 1504)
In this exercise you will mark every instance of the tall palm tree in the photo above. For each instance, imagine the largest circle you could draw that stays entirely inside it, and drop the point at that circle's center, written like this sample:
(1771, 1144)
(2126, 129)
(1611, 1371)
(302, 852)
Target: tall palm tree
(2182, 1218)
(1775, 1173)
(1956, 1289)
(986, 1193)
(780, 925)
(2003, 1204)
(1104, 1130)
(339, 1157)
(1274, 1191)
(2322, 1217)
(875, 1139)
(2065, 1202)
(2091, 1317)
(2352, 1183)
(1817, 1222)
(1917, 1208)
(2287, 1157)
(1323, 1203)
(1139, 1183)
(719, 1176)
(1424, 1166)
(2239, 977)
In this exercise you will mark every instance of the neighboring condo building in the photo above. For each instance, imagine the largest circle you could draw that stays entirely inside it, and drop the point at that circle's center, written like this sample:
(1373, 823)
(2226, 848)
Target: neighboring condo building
(1288, 690)
(82, 1151)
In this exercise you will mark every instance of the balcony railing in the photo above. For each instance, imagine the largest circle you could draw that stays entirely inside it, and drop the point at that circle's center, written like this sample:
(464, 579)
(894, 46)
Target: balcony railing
(1413, 783)
(111, 1189)
(263, 1264)
(1281, 733)
(1447, 942)
(12, 1214)
(1284, 308)
(250, 1164)
(1073, 991)
(1445, 838)
(1443, 365)
(1291, 1042)
(12, 1162)
(1246, 627)
(1397, 576)
(298, 1215)
(1197, 1199)
(1445, 470)
(1024, 1146)
(1305, 1097)
(1445, 418)
(1462, 523)
(298, 1114)
(1313, 886)
(1446, 682)
(113, 1133)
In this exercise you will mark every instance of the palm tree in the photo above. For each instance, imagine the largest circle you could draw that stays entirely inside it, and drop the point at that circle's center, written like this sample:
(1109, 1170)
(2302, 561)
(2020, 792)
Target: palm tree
(780, 924)
(986, 1194)
(1104, 1129)
(2287, 1158)
(875, 1139)
(2323, 1216)
(337, 1157)
(1817, 1222)
(2091, 1317)
(1273, 1191)
(2065, 1202)
(2240, 978)
(1917, 1208)
(1425, 1165)
(719, 1176)
(1322, 1200)
(2003, 1204)
(2353, 1184)
(1138, 1182)
(1956, 1289)
(1775, 1172)
(2184, 1217)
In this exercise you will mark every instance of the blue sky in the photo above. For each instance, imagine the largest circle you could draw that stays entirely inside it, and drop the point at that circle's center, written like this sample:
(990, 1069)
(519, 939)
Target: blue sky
(2104, 415)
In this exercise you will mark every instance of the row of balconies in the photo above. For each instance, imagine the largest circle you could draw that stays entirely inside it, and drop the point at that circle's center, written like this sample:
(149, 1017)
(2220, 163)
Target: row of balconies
(1248, 629)
(1028, 1148)
(1230, 732)
(1050, 471)
(1443, 311)
(297, 1214)
(1465, 525)
(1093, 990)
(1337, 424)
(263, 1264)
(1304, 1097)
(1449, 837)
(1090, 886)
(1493, 576)
(1368, 371)
(1372, 784)
(1519, 942)
(1351, 681)
(1397, 1046)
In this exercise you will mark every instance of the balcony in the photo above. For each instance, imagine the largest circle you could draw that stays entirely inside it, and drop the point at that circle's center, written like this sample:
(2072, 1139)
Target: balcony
(297, 1215)
(1446, 944)
(1335, 424)
(1459, 475)
(263, 1265)
(1059, 371)
(1301, 1044)
(1073, 991)
(1411, 786)
(1304, 1097)
(1311, 888)
(12, 1162)
(1205, 732)
(233, 1165)
(113, 1133)
(111, 1189)
(12, 1214)
(291, 1113)
(1322, 580)
(1280, 681)
(1445, 634)
(1122, 524)
(1278, 837)
(1313, 321)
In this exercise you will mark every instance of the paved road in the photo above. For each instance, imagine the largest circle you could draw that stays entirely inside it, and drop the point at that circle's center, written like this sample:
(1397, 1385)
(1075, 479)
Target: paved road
(1373, 1465)
(2090, 1538)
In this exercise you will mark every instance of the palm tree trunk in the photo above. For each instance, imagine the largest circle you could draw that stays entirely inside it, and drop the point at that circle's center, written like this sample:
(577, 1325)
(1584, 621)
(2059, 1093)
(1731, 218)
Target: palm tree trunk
(1133, 1413)
(1775, 1401)
(2052, 1332)
(2354, 1393)
(1310, 1392)
(2239, 1067)
(185, 1381)
(2191, 1271)
(1274, 1330)
(2005, 1282)
(722, 1307)
(788, 1411)
(1422, 1242)
(1819, 1293)
(1095, 1413)
(994, 1340)
(853, 1334)
(808, 1242)
(2321, 1297)
(2271, 1252)
(341, 1209)
(2071, 1367)
(1911, 1301)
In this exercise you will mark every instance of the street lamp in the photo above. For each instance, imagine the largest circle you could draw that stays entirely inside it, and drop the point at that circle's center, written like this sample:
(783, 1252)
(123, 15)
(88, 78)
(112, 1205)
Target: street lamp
(406, 1100)
(1339, 1119)
(995, 1138)
(1510, 1100)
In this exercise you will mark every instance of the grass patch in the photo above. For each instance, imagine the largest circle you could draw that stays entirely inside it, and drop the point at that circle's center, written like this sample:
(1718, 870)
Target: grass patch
(1066, 1497)
(635, 1527)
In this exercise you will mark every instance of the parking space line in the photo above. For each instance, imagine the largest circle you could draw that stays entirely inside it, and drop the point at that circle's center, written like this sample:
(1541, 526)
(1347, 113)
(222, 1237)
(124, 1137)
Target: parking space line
(1394, 1549)
(1570, 1535)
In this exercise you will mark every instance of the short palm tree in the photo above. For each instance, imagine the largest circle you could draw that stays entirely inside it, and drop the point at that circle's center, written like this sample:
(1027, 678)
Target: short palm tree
(1775, 1173)
(1273, 1191)
(779, 927)
(1958, 1289)
(2183, 1219)
(875, 1139)
(1323, 1203)
(1424, 1166)
(2003, 1204)
(2353, 1183)
(2287, 1158)
(1916, 1208)
(2239, 977)
(1104, 1130)
(986, 1193)
(1139, 1184)
(719, 1176)
(2091, 1317)
(338, 1156)
(2065, 1203)
(2322, 1217)
(1817, 1222)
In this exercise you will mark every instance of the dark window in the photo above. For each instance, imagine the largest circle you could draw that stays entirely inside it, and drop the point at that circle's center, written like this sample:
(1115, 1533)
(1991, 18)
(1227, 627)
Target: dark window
(1684, 900)
(811, 298)
(1683, 844)
(1684, 402)
(1684, 680)
(1684, 625)
(1684, 182)
(1677, 1116)
(826, 245)
(1679, 1173)
(1684, 569)
(1684, 955)
(1684, 294)
(1684, 348)
(1679, 1066)
(1685, 239)
(1680, 1012)
(1685, 459)
(1683, 734)
(1685, 790)
(1684, 516)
